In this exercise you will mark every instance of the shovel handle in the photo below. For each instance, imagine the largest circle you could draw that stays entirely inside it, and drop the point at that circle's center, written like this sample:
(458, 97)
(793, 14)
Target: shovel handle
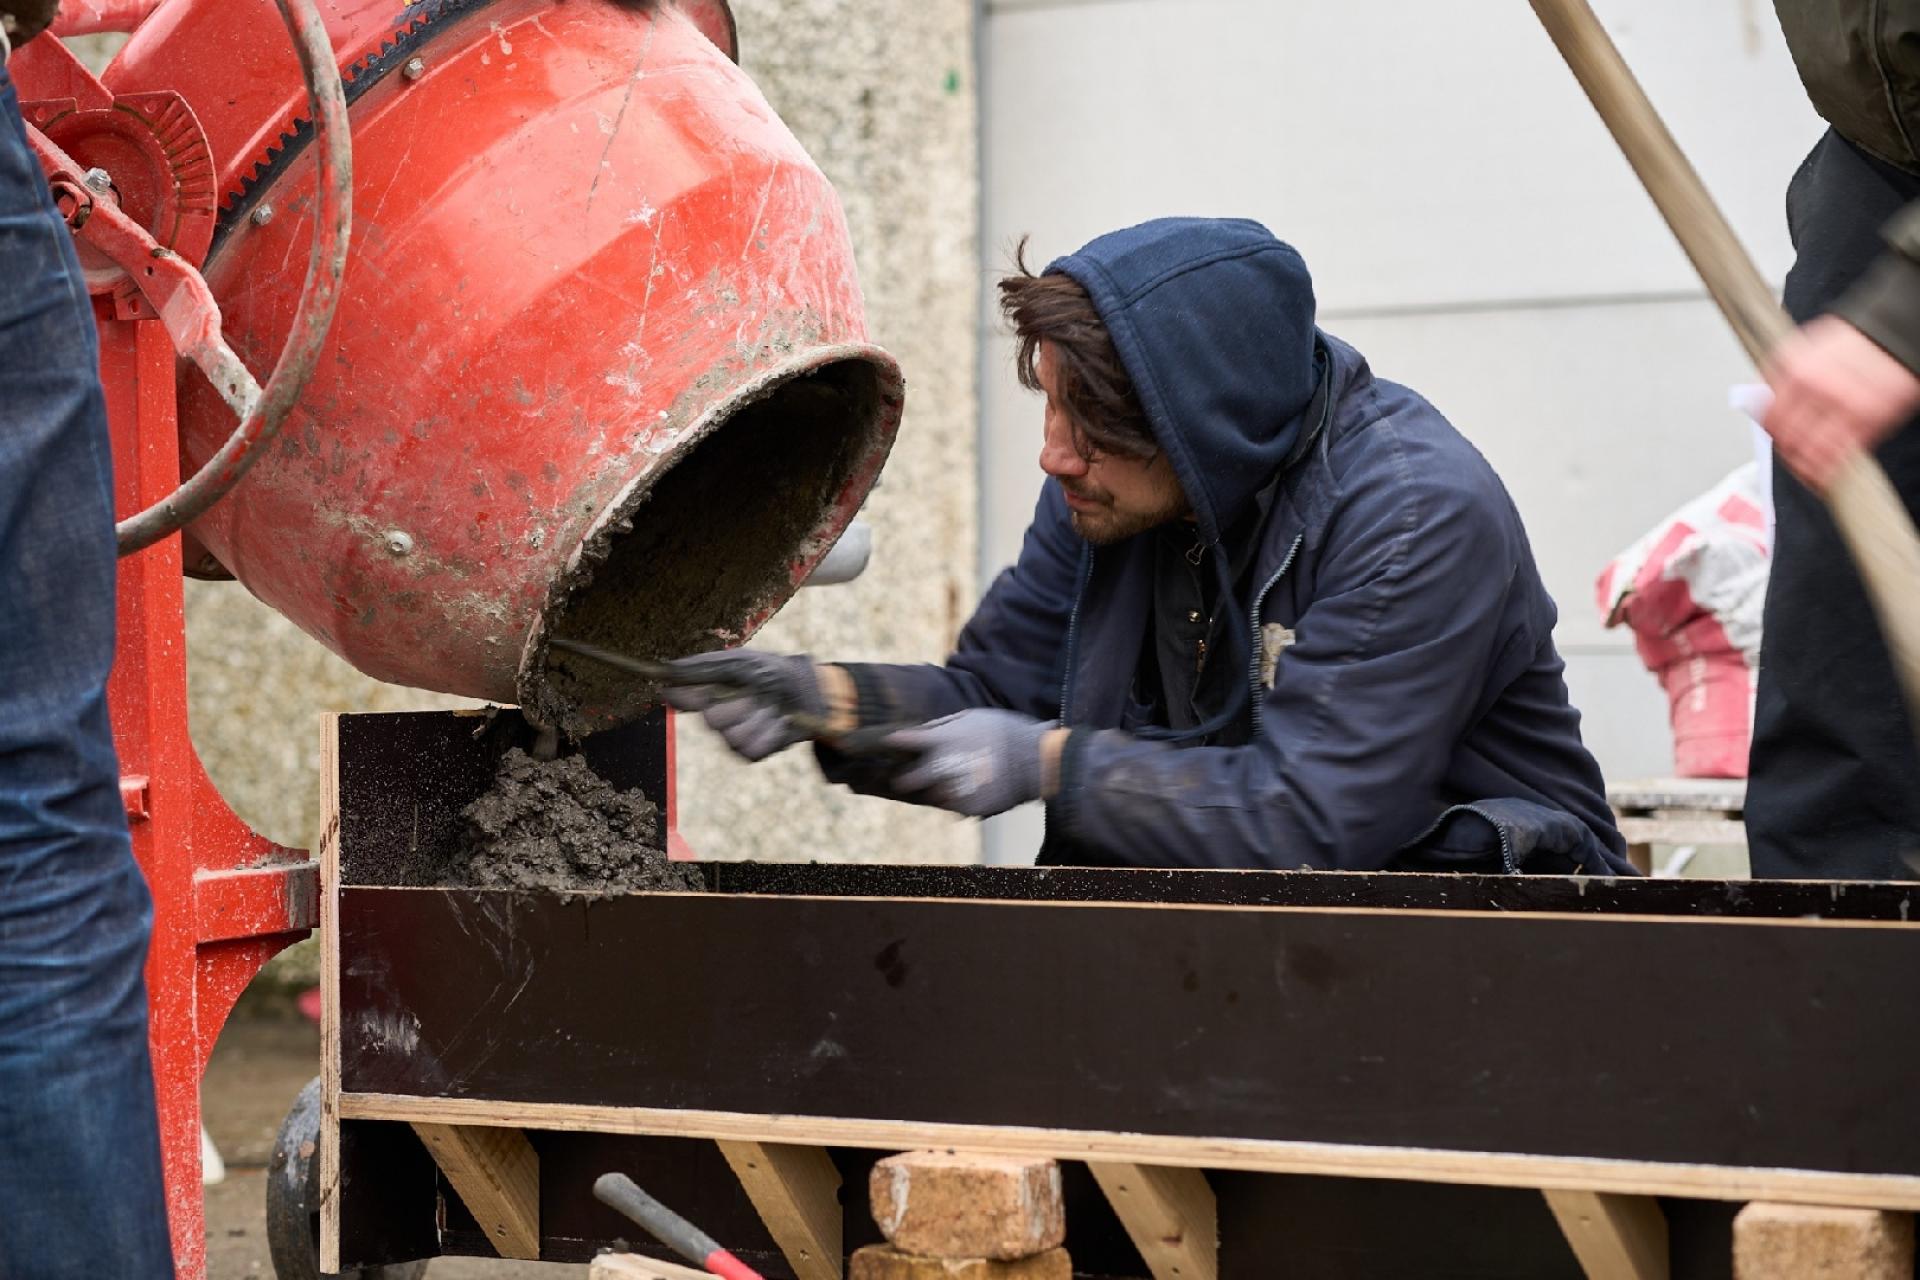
(1871, 517)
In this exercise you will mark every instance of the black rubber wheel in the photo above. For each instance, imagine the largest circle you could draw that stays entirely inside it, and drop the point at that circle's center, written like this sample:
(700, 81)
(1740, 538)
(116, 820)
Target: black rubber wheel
(293, 1200)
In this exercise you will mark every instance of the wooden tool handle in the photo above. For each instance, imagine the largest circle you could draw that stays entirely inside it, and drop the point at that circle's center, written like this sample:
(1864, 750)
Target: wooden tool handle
(1869, 513)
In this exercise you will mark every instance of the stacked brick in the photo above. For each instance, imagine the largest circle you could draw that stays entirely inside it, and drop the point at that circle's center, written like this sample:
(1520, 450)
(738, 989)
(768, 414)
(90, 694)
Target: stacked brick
(954, 1216)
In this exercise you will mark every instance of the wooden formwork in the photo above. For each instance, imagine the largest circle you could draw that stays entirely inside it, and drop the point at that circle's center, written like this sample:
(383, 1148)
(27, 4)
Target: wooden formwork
(1248, 1074)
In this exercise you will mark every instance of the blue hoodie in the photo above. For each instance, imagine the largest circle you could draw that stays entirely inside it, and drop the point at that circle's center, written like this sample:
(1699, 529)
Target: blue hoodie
(1403, 706)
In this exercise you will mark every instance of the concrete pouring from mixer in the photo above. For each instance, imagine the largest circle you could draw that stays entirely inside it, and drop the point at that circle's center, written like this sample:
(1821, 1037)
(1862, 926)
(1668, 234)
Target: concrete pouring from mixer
(601, 373)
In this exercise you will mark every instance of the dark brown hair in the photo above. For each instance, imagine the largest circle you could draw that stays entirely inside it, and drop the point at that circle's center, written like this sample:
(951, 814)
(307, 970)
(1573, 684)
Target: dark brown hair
(1094, 388)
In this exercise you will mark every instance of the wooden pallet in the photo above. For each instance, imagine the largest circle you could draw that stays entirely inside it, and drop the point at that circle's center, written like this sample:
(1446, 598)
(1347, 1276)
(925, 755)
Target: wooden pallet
(1679, 811)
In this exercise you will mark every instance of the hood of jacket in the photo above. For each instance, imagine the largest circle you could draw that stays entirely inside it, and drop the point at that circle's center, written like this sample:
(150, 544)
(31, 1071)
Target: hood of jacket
(1213, 318)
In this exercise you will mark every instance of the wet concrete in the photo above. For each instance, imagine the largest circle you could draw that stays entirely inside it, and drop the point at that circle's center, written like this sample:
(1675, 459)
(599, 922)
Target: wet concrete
(710, 547)
(556, 824)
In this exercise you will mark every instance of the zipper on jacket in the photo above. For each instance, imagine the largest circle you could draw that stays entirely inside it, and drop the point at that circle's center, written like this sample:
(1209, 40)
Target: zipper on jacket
(1073, 628)
(1499, 832)
(1259, 642)
(1506, 845)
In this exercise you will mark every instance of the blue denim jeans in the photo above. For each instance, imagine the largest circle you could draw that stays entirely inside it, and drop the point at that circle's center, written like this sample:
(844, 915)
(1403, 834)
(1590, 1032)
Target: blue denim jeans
(80, 1188)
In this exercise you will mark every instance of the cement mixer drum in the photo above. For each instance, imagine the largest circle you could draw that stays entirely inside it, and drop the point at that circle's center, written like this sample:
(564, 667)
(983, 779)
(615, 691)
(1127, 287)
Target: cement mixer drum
(600, 369)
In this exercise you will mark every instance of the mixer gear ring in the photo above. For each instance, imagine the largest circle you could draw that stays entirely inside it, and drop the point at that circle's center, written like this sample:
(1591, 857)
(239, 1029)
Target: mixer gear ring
(358, 77)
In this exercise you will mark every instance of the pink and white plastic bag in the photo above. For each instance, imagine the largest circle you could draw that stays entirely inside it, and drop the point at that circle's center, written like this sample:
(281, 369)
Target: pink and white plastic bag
(1692, 591)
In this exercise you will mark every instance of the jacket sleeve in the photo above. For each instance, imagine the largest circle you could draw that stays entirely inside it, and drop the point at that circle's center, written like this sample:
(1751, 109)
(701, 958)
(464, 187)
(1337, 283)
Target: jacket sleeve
(1391, 664)
(1009, 653)
(1884, 304)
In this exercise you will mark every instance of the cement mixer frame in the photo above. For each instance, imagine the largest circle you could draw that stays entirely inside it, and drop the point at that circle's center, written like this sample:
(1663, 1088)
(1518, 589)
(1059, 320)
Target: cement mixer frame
(226, 898)
(135, 178)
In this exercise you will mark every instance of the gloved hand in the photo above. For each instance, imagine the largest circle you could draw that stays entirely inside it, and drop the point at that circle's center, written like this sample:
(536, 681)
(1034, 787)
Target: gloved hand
(22, 20)
(750, 698)
(977, 762)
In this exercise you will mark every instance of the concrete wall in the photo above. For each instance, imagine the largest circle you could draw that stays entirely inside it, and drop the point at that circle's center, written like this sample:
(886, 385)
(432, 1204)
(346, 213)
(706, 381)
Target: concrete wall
(1470, 226)
(883, 96)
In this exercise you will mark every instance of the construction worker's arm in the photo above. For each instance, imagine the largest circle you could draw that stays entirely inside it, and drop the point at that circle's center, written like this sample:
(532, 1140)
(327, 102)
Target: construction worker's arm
(1846, 380)
(1393, 662)
(1008, 654)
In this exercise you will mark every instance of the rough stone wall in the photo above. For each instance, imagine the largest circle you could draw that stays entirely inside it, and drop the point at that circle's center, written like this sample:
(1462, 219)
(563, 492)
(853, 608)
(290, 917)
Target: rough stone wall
(881, 92)
(882, 95)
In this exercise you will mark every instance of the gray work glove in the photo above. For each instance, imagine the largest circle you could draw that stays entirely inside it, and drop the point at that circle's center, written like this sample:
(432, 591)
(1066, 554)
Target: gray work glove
(750, 698)
(978, 762)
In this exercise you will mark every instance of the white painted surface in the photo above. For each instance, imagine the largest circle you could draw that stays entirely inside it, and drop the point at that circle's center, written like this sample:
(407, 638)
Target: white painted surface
(1469, 224)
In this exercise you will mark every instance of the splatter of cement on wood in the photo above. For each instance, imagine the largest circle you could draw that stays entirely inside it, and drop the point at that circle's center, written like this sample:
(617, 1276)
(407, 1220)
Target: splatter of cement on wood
(556, 824)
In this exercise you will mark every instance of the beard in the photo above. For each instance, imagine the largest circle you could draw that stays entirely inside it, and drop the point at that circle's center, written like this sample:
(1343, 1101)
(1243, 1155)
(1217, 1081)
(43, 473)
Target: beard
(1110, 524)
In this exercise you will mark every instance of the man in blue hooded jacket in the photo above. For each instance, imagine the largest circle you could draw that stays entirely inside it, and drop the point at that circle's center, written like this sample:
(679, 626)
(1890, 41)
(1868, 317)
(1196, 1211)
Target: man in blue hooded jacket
(1271, 611)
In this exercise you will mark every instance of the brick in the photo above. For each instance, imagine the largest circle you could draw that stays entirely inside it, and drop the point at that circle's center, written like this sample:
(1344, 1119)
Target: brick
(884, 1262)
(945, 1204)
(1803, 1242)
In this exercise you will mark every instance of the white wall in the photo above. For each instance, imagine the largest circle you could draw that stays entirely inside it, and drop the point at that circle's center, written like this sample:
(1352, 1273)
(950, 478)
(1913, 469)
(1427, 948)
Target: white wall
(1469, 224)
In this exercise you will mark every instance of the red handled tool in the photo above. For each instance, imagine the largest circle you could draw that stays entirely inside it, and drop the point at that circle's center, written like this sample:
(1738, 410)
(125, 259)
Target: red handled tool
(618, 1191)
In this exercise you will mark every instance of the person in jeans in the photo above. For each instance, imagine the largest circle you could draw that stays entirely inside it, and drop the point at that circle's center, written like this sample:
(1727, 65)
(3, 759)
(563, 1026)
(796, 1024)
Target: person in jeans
(1834, 789)
(80, 1180)
(1272, 611)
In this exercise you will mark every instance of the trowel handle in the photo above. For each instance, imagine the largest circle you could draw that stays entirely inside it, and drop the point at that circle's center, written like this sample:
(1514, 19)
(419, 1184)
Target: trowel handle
(618, 1191)
(1869, 513)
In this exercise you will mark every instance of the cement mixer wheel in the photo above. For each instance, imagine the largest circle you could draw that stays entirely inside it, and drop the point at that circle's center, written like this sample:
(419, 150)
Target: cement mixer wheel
(293, 1200)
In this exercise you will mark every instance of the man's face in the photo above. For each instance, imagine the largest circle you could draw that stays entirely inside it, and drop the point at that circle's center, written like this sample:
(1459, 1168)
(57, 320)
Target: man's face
(1112, 497)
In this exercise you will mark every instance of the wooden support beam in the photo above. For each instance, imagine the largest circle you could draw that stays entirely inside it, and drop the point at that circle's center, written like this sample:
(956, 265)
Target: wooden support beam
(796, 1191)
(1615, 1237)
(1170, 1216)
(497, 1173)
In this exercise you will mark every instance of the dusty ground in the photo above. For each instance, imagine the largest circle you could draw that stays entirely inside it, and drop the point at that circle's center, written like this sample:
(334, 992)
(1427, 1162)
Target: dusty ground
(259, 1065)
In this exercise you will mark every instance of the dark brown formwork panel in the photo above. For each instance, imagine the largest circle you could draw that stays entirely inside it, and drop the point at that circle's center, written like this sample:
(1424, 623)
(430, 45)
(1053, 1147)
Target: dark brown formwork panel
(1762, 1044)
(404, 777)
(387, 1194)
(1394, 891)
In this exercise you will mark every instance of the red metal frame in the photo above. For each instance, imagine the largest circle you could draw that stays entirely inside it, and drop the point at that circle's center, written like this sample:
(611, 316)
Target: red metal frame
(225, 898)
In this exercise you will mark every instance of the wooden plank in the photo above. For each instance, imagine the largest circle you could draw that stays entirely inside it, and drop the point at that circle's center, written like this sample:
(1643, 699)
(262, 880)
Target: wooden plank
(1473, 1168)
(329, 846)
(1645, 831)
(1170, 1215)
(631, 1266)
(1615, 1237)
(796, 1191)
(891, 1010)
(497, 1175)
(1719, 795)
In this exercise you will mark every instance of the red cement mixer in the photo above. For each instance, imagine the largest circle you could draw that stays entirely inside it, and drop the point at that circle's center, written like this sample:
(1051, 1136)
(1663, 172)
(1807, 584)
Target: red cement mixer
(597, 370)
